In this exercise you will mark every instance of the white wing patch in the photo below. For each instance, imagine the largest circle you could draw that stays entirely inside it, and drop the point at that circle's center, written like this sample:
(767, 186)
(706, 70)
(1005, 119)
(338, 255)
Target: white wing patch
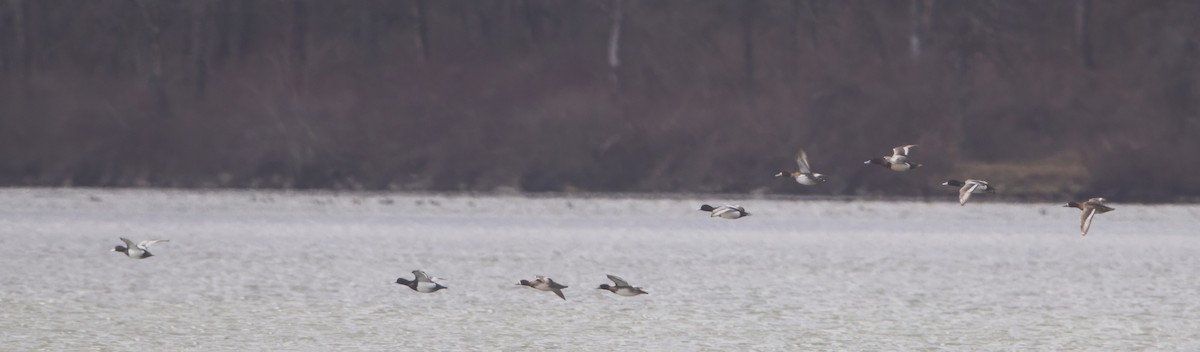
(1087, 220)
(965, 192)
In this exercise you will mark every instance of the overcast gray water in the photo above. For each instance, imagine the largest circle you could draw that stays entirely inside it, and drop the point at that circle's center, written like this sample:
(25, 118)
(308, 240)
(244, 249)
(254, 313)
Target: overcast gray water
(315, 272)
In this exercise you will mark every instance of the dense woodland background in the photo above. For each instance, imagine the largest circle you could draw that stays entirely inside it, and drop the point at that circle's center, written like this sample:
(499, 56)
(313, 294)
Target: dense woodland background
(1044, 98)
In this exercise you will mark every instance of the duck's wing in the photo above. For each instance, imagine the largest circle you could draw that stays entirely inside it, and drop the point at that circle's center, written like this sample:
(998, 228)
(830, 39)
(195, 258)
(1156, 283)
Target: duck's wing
(964, 193)
(422, 276)
(560, 294)
(1098, 204)
(617, 280)
(147, 243)
(1086, 220)
(128, 243)
(802, 161)
(902, 150)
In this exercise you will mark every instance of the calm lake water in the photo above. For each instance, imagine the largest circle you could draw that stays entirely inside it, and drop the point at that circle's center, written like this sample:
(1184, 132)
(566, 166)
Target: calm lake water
(315, 271)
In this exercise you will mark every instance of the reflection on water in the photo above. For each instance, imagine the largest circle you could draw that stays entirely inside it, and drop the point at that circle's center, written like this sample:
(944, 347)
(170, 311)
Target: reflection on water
(316, 271)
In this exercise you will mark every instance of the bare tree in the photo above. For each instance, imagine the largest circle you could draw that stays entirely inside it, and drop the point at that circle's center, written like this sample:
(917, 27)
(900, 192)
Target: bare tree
(199, 49)
(22, 43)
(914, 28)
(159, 57)
(614, 46)
(1082, 37)
(748, 7)
(421, 13)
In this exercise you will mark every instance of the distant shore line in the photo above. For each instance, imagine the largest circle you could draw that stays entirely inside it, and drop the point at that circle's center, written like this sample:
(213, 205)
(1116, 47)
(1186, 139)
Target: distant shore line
(949, 196)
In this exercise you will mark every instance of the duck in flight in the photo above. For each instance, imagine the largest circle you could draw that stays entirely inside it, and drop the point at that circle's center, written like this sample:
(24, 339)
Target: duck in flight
(138, 251)
(621, 287)
(898, 161)
(545, 284)
(804, 175)
(725, 211)
(1090, 208)
(421, 282)
(966, 188)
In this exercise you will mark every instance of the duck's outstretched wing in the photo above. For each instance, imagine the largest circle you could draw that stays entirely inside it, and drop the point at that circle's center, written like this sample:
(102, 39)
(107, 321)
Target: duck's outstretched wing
(902, 150)
(560, 294)
(802, 162)
(421, 276)
(145, 244)
(964, 193)
(617, 280)
(128, 243)
(1086, 220)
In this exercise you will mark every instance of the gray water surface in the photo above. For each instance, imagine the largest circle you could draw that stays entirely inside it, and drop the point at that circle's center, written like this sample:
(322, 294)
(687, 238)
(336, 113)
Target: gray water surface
(315, 272)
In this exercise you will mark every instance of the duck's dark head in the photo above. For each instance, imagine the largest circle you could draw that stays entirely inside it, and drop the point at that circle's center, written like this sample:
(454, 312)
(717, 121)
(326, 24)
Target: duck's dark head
(403, 281)
(1072, 205)
(121, 249)
(955, 183)
(604, 287)
(640, 290)
(706, 207)
(525, 283)
(877, 161)
(744, 213)
(784, 174)
(990, 189)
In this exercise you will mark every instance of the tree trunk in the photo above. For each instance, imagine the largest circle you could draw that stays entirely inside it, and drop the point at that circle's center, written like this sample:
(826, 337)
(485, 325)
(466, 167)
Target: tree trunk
(224, 21)
(793, 67)
(532, 23)
(748, 41)
(199, 49)
(299, 31)
(1082, 39)
(23, 53)
(422, 14)
(157, 82)
(299, 44)
(914, 28)
(614, 46)
(247, 28)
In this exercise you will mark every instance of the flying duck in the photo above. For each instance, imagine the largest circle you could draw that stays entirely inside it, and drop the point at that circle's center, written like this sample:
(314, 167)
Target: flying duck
(804, 175)
(969, 186)
(725, 211)
(621, 287)
(898, 161)
(138, 251)
(1090, 208)
(545, 284)
(416, 283)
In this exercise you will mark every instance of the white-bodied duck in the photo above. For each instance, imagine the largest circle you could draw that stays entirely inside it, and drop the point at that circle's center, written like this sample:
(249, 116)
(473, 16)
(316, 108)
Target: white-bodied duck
(421, 282)
(898, 161)
(545, 284)
(804, 175)
(138, 251)
(966, 188)
(1090, 208)
(725, 211)
(621, 287)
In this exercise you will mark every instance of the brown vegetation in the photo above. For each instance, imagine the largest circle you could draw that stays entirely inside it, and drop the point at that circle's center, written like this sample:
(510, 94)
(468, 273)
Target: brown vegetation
(1043, 98)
